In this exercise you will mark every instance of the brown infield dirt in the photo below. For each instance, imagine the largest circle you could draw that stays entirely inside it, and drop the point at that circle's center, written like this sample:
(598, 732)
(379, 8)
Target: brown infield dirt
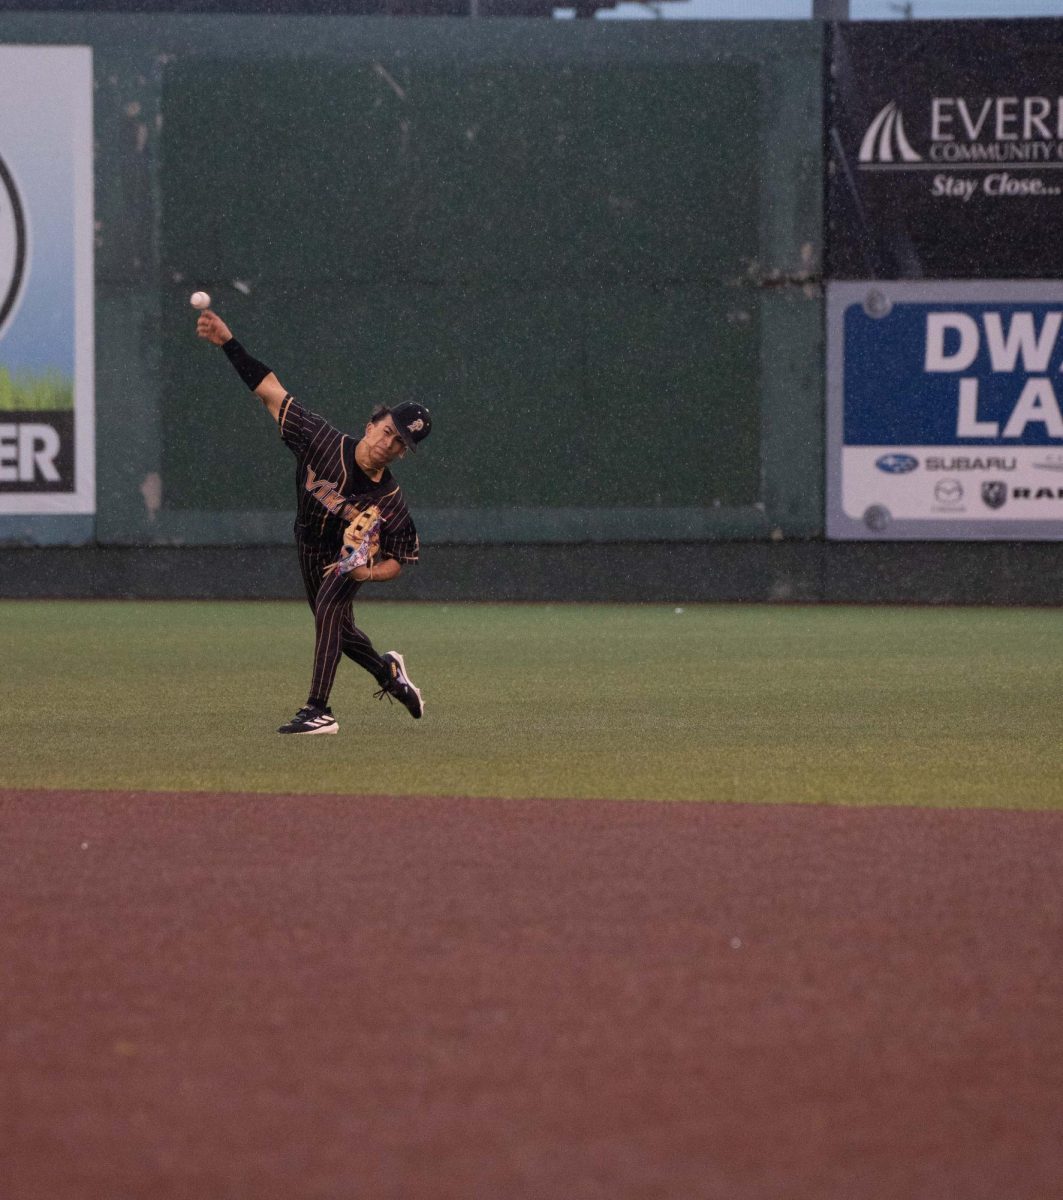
(286, 997)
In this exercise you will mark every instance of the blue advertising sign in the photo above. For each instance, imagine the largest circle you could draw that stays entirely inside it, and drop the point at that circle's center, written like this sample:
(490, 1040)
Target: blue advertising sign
(945, 410)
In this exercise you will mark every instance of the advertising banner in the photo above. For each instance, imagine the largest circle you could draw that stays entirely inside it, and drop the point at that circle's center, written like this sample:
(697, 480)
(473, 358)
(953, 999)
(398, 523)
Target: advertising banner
(47, 418)
(946, 150)
(945, 410)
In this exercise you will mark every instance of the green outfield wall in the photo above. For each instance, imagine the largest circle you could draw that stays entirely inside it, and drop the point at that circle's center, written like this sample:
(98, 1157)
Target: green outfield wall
(591, 248)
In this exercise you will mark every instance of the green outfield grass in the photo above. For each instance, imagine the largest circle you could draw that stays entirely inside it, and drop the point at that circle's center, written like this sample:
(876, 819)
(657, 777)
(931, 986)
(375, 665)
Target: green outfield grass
(764, 704)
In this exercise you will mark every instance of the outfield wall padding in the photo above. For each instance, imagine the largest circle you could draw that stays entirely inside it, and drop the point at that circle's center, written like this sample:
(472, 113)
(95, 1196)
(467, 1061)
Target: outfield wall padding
(798, 572)
(591, 248)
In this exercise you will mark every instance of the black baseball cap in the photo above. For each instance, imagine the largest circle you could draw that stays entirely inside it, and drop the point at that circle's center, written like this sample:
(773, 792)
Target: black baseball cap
(413, 422)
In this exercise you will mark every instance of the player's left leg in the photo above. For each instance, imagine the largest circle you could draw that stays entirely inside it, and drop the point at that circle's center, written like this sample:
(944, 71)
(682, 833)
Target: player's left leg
(389, 670)
(358, 648)
(400, 686)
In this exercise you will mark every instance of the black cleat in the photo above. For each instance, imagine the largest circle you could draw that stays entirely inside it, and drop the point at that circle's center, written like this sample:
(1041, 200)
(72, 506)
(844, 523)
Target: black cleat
(398, 684)
(311, 720)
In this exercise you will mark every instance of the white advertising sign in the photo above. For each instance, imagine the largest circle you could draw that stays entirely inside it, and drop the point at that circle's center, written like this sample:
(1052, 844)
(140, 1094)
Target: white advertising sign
(47, 410)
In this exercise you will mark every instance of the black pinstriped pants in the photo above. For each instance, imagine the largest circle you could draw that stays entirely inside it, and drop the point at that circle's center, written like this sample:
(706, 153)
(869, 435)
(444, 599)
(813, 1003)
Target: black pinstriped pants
(331, 597)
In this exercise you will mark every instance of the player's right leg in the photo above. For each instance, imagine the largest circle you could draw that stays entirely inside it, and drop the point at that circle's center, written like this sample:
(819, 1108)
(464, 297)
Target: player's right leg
(331, 609)
(315, 717)
(311, 720)
(312, 564)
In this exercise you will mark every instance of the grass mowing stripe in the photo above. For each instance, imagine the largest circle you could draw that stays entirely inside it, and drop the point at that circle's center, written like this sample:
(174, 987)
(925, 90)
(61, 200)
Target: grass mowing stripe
(762, 704)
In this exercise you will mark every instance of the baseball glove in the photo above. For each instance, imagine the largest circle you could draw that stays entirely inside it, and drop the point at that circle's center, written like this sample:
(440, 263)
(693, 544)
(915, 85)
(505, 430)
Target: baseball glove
(361, 542)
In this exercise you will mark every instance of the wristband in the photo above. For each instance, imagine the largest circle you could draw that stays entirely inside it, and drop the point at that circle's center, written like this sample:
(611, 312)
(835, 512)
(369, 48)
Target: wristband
(250, 370)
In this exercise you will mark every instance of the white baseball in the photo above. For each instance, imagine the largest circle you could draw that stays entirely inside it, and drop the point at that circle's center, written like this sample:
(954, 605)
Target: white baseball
(199, 300)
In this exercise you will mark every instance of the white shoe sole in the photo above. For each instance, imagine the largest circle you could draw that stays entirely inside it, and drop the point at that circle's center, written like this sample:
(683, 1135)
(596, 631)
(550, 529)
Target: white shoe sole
(406, 679)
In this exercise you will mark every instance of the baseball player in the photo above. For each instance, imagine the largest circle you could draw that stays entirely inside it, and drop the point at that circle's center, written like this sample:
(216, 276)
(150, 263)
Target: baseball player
(352, 525)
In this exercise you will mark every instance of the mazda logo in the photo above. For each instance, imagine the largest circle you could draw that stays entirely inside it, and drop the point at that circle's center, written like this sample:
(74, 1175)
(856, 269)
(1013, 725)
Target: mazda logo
(948, 491)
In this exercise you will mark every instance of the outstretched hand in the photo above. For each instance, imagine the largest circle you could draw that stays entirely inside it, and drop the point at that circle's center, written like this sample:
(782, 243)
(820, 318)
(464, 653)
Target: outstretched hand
(213, 328)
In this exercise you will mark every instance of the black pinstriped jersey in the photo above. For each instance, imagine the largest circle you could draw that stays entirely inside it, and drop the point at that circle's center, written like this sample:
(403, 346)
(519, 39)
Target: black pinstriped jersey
(331, 488)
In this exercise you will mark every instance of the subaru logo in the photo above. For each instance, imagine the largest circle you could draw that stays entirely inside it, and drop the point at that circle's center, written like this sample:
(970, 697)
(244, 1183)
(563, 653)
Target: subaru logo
(896, 464)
